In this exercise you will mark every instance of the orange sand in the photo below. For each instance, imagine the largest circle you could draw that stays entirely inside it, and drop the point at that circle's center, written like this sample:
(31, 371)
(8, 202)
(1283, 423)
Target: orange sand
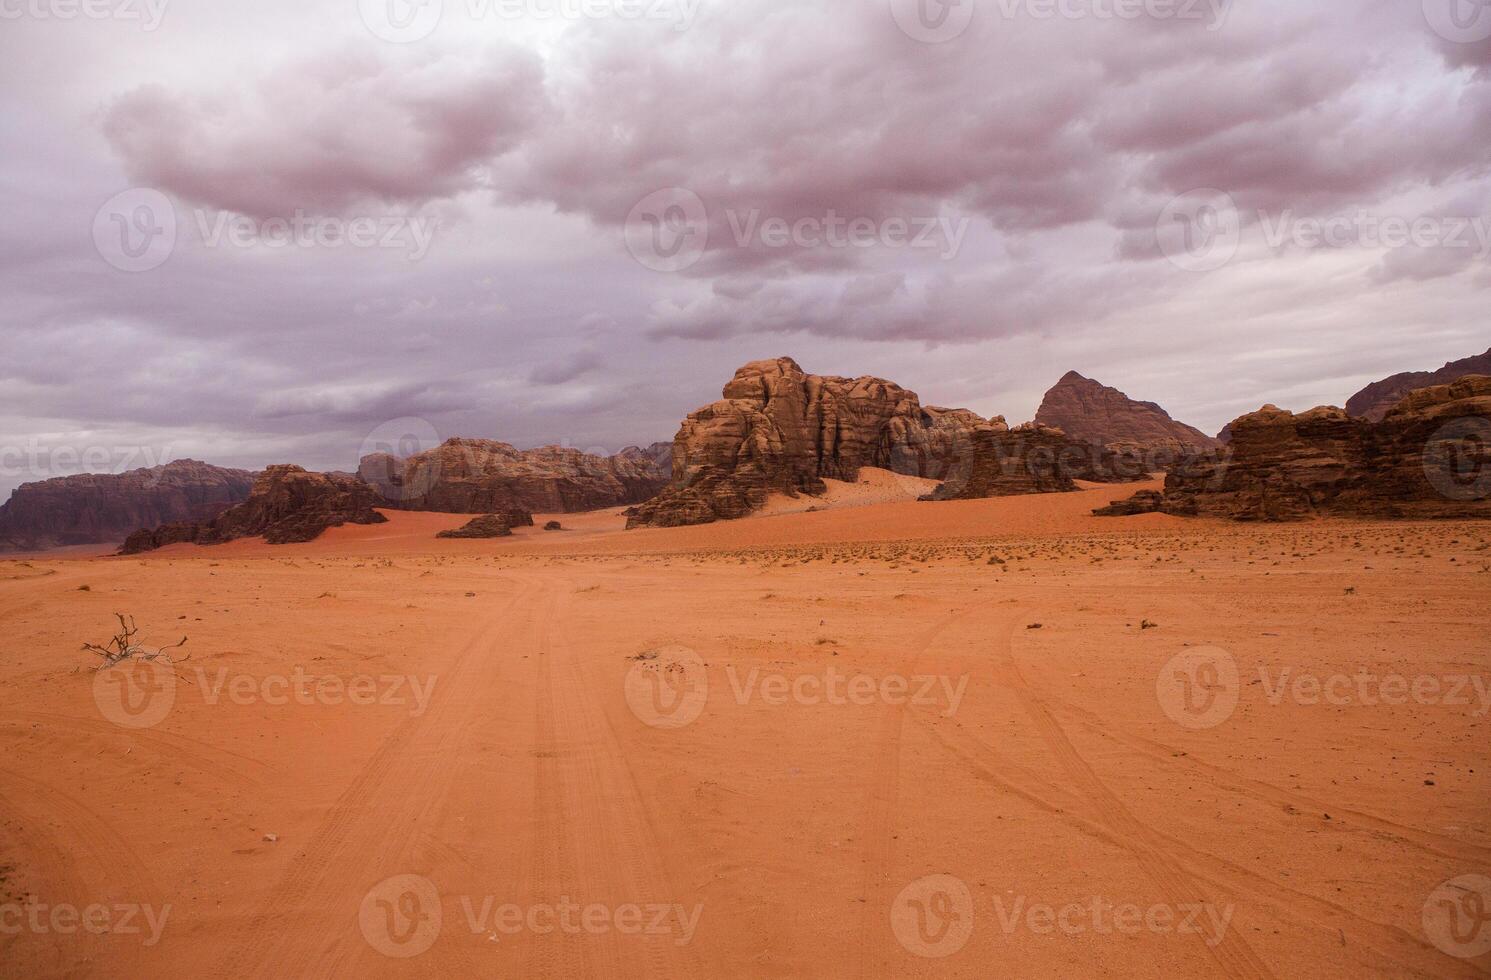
(796, 830)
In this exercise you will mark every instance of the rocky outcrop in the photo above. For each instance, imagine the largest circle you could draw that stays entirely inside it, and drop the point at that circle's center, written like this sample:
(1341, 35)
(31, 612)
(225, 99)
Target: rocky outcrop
(480, 476)
(103, 508)
(780, 429)
(1429, 457)
(1143, 502)
(1032, 458)
(1094, 413)
(287, 504)
(486, 526)
(1373, 401)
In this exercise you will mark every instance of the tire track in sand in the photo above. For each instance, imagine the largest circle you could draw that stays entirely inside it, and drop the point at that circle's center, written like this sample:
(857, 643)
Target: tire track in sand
(599, 835)
(1231, 952)
(881, 804)
(301, 929)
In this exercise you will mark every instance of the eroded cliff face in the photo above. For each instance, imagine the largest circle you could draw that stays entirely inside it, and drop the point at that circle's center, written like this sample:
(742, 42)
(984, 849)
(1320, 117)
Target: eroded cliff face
(1429, 457)
(778, 428)
(1373, 401)
(104, 508)
(1033, 458)
(1094, 413)
(481, 476)
(287, 504)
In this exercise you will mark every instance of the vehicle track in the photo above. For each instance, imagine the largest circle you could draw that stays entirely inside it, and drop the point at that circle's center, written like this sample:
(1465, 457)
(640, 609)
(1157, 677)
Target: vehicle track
(370, 826)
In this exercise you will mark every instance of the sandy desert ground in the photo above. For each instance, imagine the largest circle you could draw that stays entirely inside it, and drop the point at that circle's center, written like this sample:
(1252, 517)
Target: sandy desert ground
(986, 738)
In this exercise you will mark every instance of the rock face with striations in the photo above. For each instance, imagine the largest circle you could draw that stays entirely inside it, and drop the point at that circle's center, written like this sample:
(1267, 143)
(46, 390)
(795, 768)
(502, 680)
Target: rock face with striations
(1429, 457)
(287, 504)
(1373, 401)
(480, 476)
(780, 429)
(1103, 416)
(103, 508)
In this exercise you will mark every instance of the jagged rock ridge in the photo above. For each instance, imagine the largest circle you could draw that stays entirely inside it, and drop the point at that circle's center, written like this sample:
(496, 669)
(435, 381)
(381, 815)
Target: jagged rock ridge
(1373, 401)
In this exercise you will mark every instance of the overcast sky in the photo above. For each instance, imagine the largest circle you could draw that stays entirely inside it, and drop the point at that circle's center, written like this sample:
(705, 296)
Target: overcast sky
(293, 230)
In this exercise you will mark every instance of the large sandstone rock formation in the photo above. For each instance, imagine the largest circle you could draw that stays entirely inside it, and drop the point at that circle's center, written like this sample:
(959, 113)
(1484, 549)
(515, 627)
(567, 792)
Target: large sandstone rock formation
(1429, 457)
(1092, 412)
(1373, 401)
(287, 505)
(1033, 458)
(779, 429)
(480, 476)
(103, 508)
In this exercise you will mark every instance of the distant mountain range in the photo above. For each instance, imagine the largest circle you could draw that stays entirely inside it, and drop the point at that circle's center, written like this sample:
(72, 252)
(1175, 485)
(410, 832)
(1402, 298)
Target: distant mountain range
(776, 429)
(106, 507)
